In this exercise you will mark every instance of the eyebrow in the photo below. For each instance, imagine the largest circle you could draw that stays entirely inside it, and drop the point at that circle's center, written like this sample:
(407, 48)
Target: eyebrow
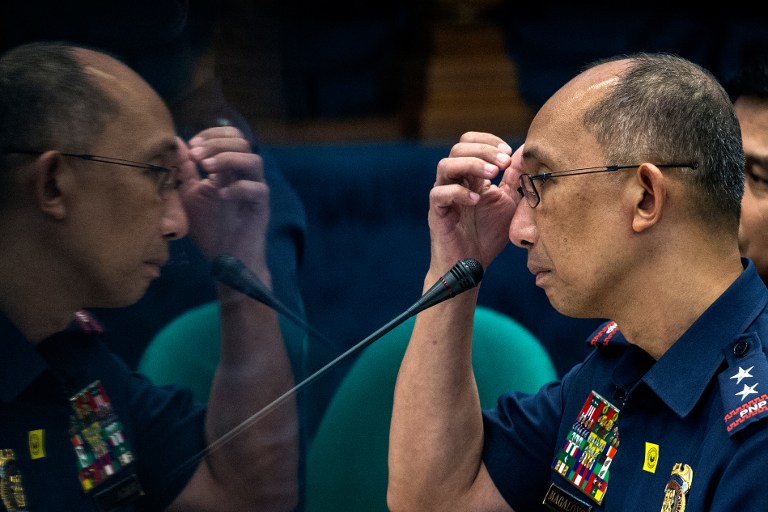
(163, 147)
(168, 145)
(530, 153)
(761, 160)
(534, 154)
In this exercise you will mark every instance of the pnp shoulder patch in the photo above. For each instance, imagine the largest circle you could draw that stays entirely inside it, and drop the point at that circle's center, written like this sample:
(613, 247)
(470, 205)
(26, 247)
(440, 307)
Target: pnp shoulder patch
(744, 384)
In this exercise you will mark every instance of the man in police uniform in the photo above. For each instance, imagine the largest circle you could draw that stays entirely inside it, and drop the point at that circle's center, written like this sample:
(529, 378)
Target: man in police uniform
(749, 92)
(626, 194)
(95, 183)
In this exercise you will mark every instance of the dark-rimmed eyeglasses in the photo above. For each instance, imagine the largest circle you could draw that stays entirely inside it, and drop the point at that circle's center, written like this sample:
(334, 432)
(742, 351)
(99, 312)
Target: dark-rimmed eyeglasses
(167, 177)
(528, 188)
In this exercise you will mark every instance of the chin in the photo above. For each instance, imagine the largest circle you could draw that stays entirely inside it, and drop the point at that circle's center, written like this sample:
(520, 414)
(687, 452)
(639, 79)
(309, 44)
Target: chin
(130, 300)
(570, 309)
(124, 297)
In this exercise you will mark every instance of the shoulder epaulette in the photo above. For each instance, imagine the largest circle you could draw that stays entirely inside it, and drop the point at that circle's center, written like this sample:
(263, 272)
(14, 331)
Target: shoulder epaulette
(744, 384)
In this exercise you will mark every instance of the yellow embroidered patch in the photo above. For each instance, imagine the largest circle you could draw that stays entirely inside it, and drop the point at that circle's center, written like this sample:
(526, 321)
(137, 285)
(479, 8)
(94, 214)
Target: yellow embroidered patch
(37, 444)
(651, 457)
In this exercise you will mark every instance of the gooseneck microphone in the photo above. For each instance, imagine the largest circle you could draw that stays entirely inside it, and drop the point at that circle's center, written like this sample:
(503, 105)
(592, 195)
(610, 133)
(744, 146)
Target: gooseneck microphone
(233, 272)
(464, 275)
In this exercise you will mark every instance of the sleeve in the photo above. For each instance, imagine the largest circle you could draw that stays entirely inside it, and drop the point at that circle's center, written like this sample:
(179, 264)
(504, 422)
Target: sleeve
(170, 438)
(744, 490)
(520, 438)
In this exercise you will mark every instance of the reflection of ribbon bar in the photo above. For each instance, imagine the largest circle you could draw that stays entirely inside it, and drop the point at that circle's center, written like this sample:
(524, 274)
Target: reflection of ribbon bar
(97, 437)
(11, 489)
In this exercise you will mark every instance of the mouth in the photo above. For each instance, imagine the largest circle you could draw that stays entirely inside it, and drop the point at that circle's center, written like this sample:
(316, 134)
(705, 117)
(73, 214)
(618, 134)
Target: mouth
(153, 269)
(539, 272)
(154, 266)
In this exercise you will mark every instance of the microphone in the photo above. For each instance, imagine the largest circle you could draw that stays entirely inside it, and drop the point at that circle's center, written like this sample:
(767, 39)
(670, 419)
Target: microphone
(464, 275)
(233, 272)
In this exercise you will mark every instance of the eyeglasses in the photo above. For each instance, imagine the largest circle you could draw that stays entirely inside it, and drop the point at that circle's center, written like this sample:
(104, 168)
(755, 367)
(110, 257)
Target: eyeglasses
(528, 188)
(167, 177)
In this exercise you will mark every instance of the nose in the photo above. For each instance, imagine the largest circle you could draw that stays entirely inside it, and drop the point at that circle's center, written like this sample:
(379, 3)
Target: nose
(175, 223)
(522, 230)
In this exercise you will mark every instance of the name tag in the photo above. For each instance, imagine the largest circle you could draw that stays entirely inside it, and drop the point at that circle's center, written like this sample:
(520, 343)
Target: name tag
(123, 492)
(559, 500)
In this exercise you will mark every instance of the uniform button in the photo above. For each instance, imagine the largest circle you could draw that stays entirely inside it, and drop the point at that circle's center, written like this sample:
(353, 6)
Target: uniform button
(740, 348)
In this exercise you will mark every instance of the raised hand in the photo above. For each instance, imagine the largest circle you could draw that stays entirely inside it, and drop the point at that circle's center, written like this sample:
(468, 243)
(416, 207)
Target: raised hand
(469, 216)
(229, 208)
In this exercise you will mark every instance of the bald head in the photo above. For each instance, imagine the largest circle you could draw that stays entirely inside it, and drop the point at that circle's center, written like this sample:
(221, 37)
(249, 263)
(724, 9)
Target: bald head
(592, 84)
(653, 108)
(563, 115)
(48, 101)
(62, 96)
(111, 75)
(140, 110)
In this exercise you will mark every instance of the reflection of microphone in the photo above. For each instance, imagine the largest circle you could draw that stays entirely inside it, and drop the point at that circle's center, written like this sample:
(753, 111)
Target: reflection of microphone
(233, 272)
(464, 275)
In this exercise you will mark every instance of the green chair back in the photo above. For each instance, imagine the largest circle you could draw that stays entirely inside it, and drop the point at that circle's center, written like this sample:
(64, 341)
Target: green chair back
(186, 351)
(347, 459)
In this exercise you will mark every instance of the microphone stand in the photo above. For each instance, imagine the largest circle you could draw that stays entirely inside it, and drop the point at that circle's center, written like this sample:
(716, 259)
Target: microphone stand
(310, 379)
(464, 275)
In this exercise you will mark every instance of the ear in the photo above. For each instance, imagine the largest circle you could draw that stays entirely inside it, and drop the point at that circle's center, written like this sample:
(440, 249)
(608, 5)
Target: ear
(651, 191)
(47, 176)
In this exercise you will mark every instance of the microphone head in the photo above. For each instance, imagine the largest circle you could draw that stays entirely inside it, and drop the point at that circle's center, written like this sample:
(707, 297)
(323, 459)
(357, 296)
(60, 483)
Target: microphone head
(224, 263)
(474, 271)
(465, 274)
(233, 272)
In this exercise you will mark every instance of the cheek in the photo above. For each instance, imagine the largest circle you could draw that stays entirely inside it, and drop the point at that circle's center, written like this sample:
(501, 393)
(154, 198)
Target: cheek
(564, 238)
(578, 219)
(130, 228)
(753, 216)
(585, 237)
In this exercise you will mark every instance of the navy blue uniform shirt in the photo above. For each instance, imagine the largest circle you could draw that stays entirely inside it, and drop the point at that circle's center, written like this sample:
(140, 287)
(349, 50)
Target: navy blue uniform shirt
(80, 431)
(624, 432)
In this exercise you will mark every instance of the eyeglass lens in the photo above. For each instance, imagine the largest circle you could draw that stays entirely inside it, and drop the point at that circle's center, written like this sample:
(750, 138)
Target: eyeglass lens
(529, 190)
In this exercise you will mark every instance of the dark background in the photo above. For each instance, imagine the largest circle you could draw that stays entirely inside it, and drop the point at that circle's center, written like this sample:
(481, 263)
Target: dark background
(354, 103)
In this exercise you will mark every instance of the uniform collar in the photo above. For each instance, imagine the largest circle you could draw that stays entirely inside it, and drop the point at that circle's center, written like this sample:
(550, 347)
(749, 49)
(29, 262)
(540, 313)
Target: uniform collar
(682, 374)
(21, 362)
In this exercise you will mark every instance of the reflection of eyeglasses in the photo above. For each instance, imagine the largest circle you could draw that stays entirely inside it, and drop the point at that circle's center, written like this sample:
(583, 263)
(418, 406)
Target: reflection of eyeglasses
(167, 177)
(528, 189)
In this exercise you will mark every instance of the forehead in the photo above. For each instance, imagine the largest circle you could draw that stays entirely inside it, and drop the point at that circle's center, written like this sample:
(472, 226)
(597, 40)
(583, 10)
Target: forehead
(557, 136)
(144, 124)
